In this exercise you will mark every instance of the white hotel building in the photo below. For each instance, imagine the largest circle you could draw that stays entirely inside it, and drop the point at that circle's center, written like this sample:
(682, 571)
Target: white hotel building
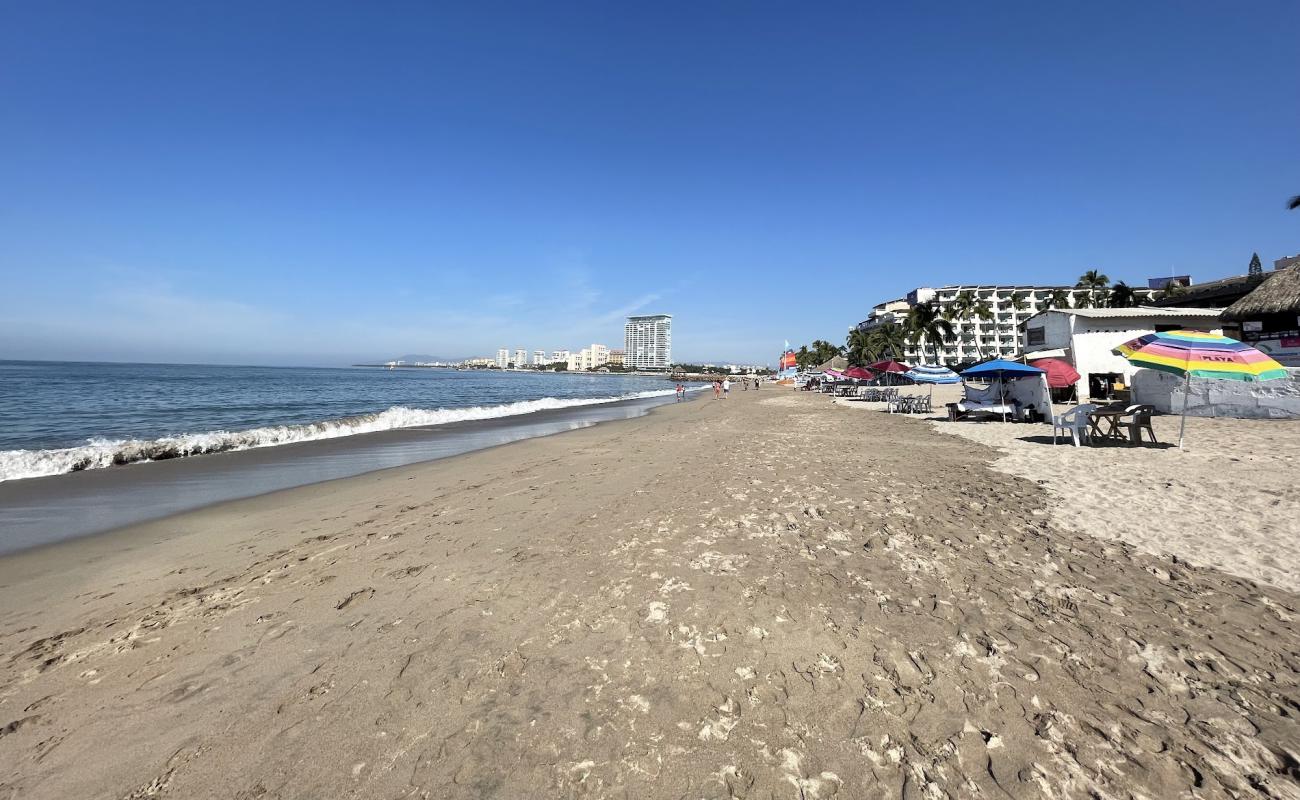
(503, 358)
(593, 357)
(974, 339)
(648, 342)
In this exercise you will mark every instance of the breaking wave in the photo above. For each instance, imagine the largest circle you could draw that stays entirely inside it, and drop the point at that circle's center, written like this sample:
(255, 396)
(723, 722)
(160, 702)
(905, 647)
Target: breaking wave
(100, 453)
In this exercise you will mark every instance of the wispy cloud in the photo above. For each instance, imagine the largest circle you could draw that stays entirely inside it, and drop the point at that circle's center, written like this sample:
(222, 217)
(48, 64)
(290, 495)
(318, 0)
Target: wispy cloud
(631, 308)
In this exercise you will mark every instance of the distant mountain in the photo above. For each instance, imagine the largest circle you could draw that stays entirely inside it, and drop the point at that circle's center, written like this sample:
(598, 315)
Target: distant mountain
(417, 357)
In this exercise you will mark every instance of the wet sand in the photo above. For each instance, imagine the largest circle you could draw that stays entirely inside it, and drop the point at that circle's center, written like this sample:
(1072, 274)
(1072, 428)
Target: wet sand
(771, 596)
(39, 511)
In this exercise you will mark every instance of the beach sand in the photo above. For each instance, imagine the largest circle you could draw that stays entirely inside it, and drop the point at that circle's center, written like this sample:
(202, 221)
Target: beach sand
(1227, 500)
(769, 596)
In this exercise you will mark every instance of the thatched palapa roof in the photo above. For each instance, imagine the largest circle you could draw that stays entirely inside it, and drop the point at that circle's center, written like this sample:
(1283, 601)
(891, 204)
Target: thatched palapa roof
(837, 363)
(1279, 294)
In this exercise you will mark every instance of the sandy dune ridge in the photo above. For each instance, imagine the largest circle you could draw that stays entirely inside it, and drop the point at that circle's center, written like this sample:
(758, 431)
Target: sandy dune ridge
(770, 596)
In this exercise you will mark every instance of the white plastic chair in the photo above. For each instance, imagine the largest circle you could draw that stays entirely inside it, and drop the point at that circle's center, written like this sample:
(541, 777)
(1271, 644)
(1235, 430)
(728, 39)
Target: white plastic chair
(1074, 422)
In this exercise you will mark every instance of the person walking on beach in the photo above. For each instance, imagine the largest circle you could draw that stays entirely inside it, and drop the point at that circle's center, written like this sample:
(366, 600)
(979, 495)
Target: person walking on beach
(717, 389)
(681, 392)
(726, 387)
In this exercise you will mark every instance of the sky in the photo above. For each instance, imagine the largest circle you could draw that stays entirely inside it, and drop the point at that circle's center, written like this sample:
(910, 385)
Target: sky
(323, 183)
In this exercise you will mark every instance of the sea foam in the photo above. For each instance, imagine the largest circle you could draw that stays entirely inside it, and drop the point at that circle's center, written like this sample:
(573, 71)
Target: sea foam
(99, 453)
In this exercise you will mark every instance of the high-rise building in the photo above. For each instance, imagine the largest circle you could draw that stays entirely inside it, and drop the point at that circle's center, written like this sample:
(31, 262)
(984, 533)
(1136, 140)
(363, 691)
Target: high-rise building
(539, 358)
(648, 342)
(503, 358)
(521, 357)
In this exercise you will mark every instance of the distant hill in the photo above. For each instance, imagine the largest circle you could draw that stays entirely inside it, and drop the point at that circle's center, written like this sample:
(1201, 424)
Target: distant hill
(418, 357)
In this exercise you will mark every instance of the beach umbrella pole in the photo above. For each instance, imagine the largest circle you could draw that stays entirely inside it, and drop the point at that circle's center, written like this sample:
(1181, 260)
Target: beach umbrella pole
(1187, 395)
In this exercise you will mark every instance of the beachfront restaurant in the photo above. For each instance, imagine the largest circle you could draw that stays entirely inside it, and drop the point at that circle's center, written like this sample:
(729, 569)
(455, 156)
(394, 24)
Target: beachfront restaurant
(1087, 337)
(1269, 317)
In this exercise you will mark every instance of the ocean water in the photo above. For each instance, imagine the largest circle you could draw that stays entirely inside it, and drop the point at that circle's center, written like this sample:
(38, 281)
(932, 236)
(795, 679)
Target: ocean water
(59, 417)
(88, 448)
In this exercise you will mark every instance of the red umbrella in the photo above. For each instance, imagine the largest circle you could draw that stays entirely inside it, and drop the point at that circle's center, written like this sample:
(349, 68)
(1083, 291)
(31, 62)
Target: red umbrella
(858, 373)
(1060, 374)
(888, 365)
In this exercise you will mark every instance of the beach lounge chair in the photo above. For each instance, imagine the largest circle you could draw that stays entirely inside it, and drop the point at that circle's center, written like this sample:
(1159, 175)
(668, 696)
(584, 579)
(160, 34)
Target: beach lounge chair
(1137, 419)
(1074, 422)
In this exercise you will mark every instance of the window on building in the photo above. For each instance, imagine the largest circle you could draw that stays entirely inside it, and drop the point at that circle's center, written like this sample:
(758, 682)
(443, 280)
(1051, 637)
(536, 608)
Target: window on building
(1036, 336)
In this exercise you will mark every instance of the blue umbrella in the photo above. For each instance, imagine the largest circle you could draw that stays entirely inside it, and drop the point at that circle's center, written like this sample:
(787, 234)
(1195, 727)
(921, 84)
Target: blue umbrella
(1000, 368)
(929, 374)
(932, 375)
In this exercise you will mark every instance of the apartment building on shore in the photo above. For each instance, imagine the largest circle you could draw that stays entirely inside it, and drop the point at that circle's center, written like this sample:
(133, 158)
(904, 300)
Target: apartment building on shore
(591, 357)
(648, 342)
(976, 339)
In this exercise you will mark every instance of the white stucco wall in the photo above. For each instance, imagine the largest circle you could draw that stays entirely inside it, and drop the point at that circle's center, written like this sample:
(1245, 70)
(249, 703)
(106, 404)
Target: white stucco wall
(1094, 339)
(1090, 340)
(1056, 331)
(1092, 350)
(1276, 399)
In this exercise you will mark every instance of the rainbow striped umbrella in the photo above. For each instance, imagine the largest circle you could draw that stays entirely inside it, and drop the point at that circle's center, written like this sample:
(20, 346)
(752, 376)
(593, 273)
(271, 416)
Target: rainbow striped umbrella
(1201, 355)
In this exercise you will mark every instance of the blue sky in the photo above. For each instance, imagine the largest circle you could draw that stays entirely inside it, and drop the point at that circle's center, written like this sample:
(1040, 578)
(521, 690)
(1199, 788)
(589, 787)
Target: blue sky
(320, 183)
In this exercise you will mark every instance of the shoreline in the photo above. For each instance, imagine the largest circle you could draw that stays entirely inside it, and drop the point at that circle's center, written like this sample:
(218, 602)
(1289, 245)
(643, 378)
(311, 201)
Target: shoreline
(171, 528)
(696, 602)
(38, 511)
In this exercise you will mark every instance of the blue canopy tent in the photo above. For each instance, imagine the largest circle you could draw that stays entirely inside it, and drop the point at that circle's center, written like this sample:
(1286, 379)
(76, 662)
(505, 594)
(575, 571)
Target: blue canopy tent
(1001, 370)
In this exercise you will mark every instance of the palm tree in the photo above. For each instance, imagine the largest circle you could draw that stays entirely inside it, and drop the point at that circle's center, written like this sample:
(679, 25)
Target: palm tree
(983, 312)
(1059, 298)
(1018, 302)
(967, 306)
(804, 358)
(860, 347)
(925, 323)
(889, 339)
(1096, 282)
(1084, 300)
(1122, 296)
(1092, 279)
(1170, 291)
(824, 351)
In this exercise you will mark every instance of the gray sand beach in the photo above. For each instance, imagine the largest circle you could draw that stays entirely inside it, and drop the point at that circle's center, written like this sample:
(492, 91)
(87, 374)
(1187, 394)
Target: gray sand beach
(766, 597)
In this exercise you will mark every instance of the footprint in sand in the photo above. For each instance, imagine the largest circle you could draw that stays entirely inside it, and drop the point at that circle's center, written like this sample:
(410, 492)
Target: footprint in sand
(657, 612)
